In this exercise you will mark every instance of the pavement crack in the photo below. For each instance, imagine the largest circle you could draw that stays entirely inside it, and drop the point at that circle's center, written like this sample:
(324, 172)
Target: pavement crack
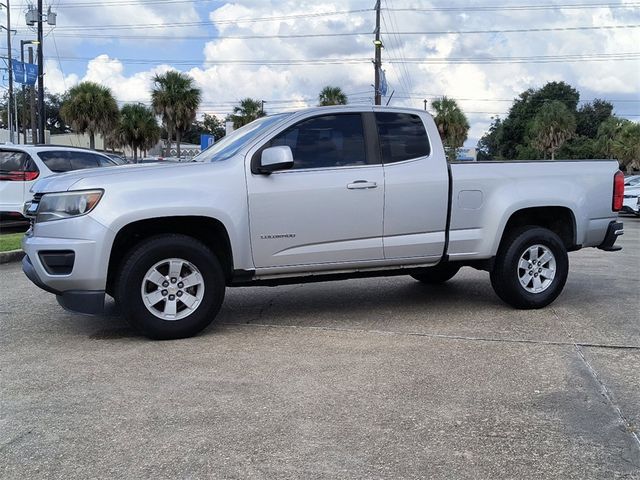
(604, 390)
(435, 335)
(606, 393)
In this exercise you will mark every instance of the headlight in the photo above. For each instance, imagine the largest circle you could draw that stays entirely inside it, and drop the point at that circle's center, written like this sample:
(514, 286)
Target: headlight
(56, 206)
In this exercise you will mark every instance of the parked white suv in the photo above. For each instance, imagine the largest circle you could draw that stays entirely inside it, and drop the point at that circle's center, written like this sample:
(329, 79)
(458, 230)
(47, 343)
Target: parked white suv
(22, 165)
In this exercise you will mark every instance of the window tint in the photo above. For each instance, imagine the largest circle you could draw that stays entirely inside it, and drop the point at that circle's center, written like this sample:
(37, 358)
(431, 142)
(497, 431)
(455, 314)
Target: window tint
(82, 160)
(325, 142)
(106, 161)
(402, 137)
(56, 160)
(13, 161)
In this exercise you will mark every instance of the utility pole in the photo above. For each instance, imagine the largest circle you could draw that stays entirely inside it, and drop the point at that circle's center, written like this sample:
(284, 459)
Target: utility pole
(24, 95)
(378, 57)
(24, 99)
(41, 122)
(10, 68)
(32, 106)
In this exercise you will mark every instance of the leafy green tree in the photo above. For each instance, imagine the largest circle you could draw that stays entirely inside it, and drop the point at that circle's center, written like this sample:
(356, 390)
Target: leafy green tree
(213, 126)
(452, 124)
(176, 98)
(90, 107)
(247, 111)
(489, 144)
(138, 128)
(209, 124)
(515, 128)
(52, 111)
(332, 96)
(590, 115)
(552, 127)
(580, 147)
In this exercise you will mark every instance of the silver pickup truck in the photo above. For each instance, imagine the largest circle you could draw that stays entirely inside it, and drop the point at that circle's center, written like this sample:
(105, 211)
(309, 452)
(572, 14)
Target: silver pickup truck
(319, 194)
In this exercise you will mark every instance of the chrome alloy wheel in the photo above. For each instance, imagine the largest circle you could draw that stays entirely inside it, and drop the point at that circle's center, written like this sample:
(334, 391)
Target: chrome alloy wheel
(172, 289)
(536, 269)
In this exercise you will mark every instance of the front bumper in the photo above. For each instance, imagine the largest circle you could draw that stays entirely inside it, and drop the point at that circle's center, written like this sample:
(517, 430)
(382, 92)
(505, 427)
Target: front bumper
(69, 258)
(614, 230)
(79, 301)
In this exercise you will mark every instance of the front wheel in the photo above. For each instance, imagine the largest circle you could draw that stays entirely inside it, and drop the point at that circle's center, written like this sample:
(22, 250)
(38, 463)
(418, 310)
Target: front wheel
(531, 268)
(170, 286)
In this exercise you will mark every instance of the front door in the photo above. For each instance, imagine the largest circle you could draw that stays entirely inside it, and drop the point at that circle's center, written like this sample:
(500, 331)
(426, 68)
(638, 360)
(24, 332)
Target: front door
(328, 208)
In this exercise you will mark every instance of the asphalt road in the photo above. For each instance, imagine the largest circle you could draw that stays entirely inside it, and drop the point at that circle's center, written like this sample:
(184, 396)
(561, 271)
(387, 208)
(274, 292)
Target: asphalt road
(377, 378)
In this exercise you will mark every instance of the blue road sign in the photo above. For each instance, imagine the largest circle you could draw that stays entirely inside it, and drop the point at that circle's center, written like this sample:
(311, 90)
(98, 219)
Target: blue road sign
(26, 73)
(206, 141)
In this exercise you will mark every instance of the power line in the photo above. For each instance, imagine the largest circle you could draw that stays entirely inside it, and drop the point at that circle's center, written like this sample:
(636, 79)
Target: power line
(488, 8)
(110, 3)
(344, 34)
(120, 3)
(569, 58)
(209, 22)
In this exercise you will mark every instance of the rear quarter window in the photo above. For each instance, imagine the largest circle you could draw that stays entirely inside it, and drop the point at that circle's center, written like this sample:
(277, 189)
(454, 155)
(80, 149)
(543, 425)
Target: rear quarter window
(11, 161)
(402, 137)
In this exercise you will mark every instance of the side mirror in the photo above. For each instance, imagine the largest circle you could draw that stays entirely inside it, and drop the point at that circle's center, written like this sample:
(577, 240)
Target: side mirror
(275, 158)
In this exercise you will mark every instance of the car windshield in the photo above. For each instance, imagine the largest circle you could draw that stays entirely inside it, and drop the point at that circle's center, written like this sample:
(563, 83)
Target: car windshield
(227, 146)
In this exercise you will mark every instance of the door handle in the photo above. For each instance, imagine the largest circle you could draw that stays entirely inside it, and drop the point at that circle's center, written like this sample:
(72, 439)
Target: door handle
(361, 185)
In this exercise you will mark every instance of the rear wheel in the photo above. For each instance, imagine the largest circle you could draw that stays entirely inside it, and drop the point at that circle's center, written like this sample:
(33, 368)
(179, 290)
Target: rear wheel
(438, 274)
(531, 268)
(170, 286)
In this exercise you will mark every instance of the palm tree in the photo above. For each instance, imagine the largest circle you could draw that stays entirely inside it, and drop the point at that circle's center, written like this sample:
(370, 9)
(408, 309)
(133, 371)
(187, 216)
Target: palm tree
(452, 124)
(626, 146)
(551, 127)
(138, 128)
(332, 96)
(248, 110)
(176, 99)
(90, 107)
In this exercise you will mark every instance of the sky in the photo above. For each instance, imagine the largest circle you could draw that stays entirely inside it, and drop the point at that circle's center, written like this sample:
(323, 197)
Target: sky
(482, 53)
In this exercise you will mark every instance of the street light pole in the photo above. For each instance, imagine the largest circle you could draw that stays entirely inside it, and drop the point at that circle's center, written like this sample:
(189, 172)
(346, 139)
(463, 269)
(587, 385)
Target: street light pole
(32, 106)
(10, 69)
(24, 97)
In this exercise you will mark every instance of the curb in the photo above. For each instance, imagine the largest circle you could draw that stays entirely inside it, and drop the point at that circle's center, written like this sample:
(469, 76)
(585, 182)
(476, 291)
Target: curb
(11, 256)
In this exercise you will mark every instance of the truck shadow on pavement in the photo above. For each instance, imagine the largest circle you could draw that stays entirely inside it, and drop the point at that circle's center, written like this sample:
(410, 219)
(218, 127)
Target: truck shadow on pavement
(364, 299)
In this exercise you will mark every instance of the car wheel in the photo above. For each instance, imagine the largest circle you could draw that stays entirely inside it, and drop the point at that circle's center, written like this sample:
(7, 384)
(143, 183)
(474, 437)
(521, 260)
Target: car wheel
(438, 274)
(170, 286)
(531, 268)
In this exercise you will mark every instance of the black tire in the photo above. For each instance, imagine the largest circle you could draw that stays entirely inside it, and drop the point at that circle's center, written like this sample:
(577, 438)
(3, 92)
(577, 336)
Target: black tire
(150, 252)
(438, 274)
(505, 276)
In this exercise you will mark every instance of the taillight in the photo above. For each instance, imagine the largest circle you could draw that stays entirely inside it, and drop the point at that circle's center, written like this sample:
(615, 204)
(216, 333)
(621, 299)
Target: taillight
(19, 176)
(618, 191)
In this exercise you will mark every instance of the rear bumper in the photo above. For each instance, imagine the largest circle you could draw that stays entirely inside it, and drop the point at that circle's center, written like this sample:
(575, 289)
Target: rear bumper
(80, 301)
(614, 230)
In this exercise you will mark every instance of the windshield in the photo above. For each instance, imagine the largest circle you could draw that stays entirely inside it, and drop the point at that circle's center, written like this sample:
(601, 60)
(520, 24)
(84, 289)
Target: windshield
(227, 146)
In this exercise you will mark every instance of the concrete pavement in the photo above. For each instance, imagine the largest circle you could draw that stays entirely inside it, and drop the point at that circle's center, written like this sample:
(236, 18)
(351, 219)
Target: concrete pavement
(375, 378)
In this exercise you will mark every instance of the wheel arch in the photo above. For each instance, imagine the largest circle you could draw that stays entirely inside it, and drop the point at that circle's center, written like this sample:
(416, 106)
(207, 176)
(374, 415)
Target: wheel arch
(208, 230)
(559, 219)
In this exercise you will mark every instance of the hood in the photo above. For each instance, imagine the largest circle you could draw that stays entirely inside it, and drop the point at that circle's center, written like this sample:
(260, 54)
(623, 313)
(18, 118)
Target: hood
(102, 177)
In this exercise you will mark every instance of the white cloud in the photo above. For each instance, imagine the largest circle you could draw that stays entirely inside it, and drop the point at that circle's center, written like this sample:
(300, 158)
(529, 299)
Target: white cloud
(479, 88)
